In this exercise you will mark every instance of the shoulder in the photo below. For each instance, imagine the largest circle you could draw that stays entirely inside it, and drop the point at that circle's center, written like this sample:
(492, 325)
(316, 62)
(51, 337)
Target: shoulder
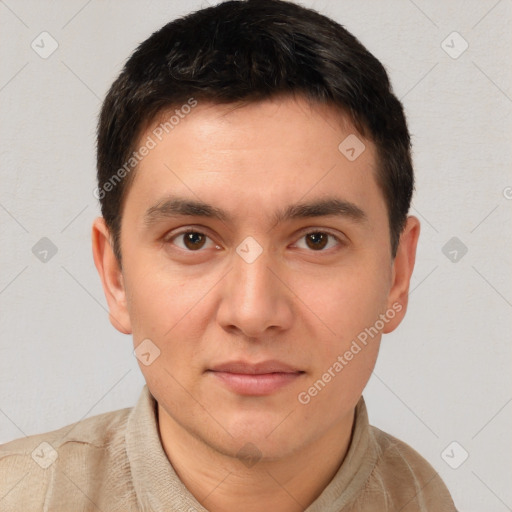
(95, 431)
(28, 466)
(408, 481)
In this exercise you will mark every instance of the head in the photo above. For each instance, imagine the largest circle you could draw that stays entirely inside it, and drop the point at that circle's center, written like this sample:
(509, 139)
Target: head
(254, 175)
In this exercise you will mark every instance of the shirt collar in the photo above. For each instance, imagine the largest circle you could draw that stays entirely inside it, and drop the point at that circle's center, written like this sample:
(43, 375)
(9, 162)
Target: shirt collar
(158, 487)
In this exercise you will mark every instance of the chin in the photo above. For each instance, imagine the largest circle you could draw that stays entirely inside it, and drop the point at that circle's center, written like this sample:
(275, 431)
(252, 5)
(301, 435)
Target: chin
(255, 448)
(253, 436)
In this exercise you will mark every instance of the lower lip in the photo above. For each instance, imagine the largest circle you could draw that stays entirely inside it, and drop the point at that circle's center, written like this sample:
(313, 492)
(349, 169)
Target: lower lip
(255, 385)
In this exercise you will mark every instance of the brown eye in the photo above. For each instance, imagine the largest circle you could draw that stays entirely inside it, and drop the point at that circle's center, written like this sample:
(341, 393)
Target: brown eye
(190, 241)
(193, 240)
(317, 240)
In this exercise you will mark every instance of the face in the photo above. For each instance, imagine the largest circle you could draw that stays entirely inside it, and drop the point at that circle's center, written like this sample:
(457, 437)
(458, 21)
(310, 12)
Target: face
(255, 300)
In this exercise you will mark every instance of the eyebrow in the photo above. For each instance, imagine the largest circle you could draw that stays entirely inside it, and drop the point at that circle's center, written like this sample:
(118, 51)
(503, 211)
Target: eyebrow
(173, 206)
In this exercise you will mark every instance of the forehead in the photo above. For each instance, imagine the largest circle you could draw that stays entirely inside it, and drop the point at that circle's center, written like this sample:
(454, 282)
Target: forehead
(287, 121)
(254, 155)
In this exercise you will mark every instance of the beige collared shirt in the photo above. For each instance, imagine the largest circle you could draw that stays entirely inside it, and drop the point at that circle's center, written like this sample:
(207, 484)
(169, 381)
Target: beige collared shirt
(116, 462)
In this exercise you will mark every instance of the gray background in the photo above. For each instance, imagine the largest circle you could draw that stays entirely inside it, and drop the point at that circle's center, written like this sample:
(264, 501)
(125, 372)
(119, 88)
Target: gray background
(443, 376)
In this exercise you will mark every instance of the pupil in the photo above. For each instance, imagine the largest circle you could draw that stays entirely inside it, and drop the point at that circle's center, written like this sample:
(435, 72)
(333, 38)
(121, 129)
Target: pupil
(194, 240)
(319, 240)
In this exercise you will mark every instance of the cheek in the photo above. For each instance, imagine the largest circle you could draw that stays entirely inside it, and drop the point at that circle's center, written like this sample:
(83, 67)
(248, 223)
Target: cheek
(344, 303)
(161, 302)
(335, 390)
(172, 315)
(347, 343)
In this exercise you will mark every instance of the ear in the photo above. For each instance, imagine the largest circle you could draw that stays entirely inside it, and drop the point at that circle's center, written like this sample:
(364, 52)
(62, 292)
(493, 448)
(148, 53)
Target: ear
(403, 265)
(111, 276)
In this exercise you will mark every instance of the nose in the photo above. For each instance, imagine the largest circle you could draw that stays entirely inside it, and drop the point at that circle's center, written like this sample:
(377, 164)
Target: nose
(255, 299)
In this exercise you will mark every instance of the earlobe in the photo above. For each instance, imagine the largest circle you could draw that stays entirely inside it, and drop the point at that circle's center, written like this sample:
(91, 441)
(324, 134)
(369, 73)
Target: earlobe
(403, 266)
(111, 276)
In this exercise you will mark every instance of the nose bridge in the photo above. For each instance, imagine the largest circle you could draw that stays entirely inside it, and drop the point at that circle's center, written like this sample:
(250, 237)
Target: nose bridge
(251, 275)
(254, 299)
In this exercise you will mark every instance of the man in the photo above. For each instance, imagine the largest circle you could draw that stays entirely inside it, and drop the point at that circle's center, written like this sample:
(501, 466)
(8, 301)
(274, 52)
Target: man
(254, 176)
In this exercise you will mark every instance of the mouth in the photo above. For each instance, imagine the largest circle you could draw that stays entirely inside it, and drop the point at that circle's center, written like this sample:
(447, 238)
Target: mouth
(259, 379)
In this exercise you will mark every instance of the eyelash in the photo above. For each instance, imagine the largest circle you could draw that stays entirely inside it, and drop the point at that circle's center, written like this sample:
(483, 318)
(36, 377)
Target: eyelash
(169, 239)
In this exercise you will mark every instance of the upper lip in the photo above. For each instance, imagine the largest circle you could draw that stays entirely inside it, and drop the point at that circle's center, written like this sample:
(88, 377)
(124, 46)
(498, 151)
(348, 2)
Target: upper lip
(245, 367)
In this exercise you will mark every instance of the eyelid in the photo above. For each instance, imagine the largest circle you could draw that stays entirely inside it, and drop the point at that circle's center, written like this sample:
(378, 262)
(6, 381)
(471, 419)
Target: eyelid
(327, 231)
(186, 229)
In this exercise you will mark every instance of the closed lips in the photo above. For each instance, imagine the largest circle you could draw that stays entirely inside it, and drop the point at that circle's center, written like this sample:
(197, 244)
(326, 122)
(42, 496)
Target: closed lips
(262, 368)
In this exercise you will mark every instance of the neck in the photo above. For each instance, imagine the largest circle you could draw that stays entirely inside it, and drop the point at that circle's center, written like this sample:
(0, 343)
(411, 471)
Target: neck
(221, 482)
